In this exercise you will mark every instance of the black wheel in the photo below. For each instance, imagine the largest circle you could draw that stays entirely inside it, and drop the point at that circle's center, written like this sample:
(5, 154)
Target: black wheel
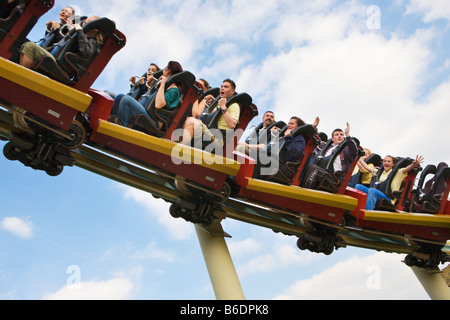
(175, 211)
(301, 243)
(412, 261)
(54, 170)
(328, 251)
(225, 192)
(79, 134)
(10, 152)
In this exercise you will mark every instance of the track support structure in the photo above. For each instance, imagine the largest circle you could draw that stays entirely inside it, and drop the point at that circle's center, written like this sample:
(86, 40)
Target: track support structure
(433, 282)
(222, 272)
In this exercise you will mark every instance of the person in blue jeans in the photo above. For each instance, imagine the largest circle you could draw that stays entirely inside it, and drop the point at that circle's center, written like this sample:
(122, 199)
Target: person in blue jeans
(373, 194)
(126, 109)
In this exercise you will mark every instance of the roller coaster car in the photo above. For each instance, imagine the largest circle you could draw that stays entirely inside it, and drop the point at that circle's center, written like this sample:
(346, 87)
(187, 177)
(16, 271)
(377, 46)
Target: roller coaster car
(145, 97)
(170, 119)
(147, 149)
(330, 180)
(43, 100)
(205, 180)
(15, 28)
(69, 68)
(48, 113)
(231, 137)
(318, 209)
(319, 205)
(198, 206)
(260, 135)
(53, 37)
(390, 218)
(137, 91)
(398, 196)
(430, 198)
(44, 112)
(275, 154)
(265, 136)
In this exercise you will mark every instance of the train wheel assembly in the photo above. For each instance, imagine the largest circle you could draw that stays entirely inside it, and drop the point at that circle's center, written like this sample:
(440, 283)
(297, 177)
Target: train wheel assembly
(78, 135)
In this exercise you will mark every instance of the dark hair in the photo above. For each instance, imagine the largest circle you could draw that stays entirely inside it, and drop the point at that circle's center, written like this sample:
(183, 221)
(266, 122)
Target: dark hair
(300, 122)
(233, 85)
(174, 67)
(323, 136)
(154, 64)
(394, 159)
(206, 83)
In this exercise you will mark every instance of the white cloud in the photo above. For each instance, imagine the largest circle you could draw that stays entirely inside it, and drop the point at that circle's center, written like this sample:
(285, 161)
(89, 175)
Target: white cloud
(363, 79)
(281, 257)
(432, 9)
(153, 253)
(244, 247)
(19, 227)
(268, 253)
(114, 289)
(380, 276)
(178, 229)
(309, 25)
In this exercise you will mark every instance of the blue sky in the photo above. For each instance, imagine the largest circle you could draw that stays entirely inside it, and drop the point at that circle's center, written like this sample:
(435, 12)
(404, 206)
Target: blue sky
(323, 58)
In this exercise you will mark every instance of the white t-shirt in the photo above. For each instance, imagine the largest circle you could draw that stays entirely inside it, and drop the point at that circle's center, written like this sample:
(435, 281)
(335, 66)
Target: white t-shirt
(337, 164)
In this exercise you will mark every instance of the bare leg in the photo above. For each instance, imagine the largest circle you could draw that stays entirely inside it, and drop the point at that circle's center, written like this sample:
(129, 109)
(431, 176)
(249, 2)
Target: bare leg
(26, 61)
(188, 132)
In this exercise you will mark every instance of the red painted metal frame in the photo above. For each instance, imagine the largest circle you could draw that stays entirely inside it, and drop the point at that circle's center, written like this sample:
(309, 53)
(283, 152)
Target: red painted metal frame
(323, 212)
(431, 233)
(445, 205)
(100, 107)
(32, 12)
(208, 178)
(39, 105)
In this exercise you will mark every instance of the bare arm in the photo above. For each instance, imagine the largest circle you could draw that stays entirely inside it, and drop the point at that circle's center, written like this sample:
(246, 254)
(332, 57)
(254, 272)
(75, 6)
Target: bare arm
(199, 107)
(160, 100)
(414, 164)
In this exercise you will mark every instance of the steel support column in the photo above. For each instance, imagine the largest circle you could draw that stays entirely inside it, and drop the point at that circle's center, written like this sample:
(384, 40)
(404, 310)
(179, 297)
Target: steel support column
(433, 282)
(222, 272)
